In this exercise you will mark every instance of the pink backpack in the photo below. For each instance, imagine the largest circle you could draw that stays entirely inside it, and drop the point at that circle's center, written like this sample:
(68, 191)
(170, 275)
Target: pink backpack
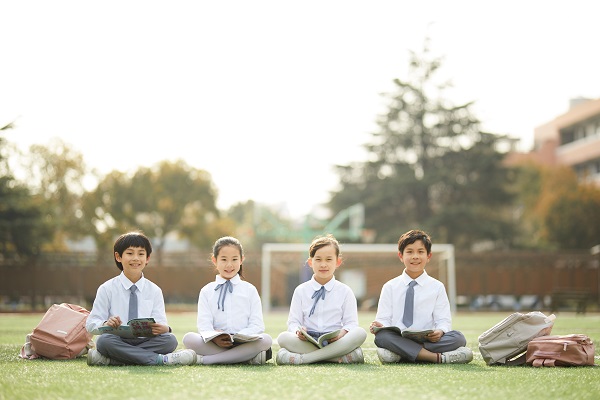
(60, 335)
(560, 351)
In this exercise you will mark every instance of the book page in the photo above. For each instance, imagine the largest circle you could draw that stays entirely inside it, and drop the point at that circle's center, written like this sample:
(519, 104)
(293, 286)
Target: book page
(390, 328)
(242, 338)
(210, 335)
(309, 338)
(324, 339)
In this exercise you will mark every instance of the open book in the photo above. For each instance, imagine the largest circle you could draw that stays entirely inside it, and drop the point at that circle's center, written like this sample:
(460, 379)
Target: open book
(322, 340)
(414, 335)
(235, 337)
(137, 327)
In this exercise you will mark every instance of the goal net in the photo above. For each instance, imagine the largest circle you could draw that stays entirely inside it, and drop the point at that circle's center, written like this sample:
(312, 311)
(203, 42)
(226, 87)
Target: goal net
(365, 268)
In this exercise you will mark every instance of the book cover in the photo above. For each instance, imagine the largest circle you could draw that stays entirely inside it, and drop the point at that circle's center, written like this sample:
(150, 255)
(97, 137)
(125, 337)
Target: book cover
(235, 338)
(417, 336)
(137, 327)
(414, 335)
(322, 340)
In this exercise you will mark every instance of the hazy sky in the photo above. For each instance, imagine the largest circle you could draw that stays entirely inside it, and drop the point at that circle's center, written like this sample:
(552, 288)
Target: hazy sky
(268, 95)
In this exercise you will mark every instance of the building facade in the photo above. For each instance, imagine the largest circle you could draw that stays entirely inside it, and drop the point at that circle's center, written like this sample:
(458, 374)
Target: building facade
(572, 139)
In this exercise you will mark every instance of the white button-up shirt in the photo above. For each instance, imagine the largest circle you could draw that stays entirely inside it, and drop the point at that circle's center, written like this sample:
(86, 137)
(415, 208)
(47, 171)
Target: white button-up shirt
(338, 310)
(112, 299)
(242, 311)
(432, 308)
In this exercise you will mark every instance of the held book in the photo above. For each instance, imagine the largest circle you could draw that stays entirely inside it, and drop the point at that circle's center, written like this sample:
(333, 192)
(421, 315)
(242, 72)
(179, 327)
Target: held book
(137, 327)
(322, 340)
(414, 335)
(234, 337)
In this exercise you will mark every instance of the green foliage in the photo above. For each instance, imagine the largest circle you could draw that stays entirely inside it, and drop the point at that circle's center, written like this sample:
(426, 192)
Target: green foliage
(169, 197)
(573, 220)
(557, 210)
(22, 228)
(74, 379)
(430, 167)
(55, 174)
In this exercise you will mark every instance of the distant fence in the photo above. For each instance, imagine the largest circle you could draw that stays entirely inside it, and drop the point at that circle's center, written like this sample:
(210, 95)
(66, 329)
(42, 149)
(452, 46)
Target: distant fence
(511, 280)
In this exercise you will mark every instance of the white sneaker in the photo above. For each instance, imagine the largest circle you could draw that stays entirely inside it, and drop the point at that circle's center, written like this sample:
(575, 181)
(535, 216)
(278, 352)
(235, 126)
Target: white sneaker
(462, 355)
(95, 358)
(354, 357)
(261, 358)
(181, 357)
(387, 356)
(284, 357)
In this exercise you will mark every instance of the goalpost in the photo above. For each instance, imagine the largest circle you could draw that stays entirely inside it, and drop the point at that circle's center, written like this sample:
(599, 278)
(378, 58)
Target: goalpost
(443, 254)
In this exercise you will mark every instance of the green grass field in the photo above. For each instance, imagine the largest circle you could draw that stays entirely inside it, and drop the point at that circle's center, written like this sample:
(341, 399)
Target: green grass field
(73, 379)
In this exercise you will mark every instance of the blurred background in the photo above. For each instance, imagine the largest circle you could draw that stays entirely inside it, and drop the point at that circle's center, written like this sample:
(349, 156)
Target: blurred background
(275, 123)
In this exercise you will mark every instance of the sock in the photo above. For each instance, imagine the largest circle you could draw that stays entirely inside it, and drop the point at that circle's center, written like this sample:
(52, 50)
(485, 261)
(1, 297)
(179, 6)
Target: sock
(439, 358)
(160, 359)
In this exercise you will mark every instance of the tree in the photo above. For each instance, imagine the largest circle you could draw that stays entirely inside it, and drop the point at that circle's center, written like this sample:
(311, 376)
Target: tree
(170, 197)
(557, 210)
(430, 166)
(22, 231)
(56, 173)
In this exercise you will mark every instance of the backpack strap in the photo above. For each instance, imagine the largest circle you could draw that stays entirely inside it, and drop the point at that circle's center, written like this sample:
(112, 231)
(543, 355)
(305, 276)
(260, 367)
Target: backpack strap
(518, 360)
(544, 362)
(26, 351)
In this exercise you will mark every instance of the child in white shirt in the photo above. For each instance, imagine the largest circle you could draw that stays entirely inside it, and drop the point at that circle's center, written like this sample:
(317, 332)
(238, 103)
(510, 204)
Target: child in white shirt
(131, 293)
(427, 309)
(320, 306)
(229, 305)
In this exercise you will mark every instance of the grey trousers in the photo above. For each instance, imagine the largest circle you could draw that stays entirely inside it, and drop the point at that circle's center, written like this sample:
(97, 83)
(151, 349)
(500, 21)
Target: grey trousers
(408, 350)
(139, 351)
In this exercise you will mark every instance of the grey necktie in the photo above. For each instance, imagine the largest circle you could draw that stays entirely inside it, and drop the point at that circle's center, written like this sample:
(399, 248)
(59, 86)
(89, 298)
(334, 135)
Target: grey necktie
(318, 294)
(409, 304)
(133, 303)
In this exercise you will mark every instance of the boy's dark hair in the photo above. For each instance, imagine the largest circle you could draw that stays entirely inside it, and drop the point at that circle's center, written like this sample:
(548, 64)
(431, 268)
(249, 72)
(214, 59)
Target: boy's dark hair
(412, 236)
(228, 241)
(131, 239)
(322, 241)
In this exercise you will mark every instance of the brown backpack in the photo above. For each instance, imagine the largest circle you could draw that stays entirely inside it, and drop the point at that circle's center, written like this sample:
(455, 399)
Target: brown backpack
(561, 351)
(60, 335)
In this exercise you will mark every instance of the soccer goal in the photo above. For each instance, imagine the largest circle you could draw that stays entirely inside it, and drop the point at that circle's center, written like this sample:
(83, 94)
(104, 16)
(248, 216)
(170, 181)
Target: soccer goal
(366, 267)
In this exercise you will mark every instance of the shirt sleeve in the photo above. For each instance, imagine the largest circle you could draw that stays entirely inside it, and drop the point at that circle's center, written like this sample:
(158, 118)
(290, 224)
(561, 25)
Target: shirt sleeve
(296, 317)
(442, 316)
(205, 320)
(384, 306)
(350, 311)
(255, 321)
(100, 310)
(158, 308)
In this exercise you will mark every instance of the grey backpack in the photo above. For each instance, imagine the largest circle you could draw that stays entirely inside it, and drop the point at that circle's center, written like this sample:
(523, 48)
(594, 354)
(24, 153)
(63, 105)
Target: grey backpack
(506, 342)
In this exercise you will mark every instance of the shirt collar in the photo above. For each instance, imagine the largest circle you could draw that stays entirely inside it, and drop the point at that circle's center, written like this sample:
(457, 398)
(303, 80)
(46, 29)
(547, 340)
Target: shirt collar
(127, 284)
(420, 280)
(328, 286)
(235, 280)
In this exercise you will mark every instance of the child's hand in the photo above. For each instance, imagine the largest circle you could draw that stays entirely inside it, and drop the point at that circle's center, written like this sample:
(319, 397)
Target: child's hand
(223, 341)
(375, 323)
(338, 337)
(435, 336)
(158, 329)
(113, 322)
(300, 335)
